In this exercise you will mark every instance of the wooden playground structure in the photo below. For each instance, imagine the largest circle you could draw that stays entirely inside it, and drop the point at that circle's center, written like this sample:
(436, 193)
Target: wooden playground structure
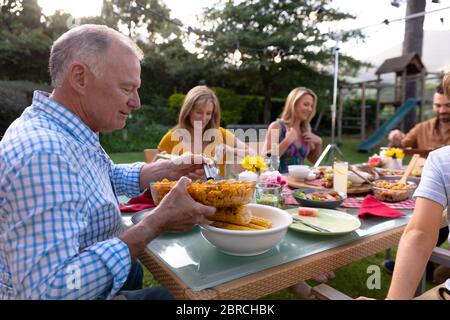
(409, 70)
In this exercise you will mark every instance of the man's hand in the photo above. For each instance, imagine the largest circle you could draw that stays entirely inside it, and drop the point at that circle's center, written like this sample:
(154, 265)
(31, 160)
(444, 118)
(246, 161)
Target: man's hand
(395, 138)
(188, 164)
(176, 212)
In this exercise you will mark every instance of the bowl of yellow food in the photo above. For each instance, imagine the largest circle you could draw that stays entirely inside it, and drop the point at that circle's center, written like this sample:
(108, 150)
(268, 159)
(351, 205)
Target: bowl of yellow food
(265, 228)
(393, 191)
(223, 193)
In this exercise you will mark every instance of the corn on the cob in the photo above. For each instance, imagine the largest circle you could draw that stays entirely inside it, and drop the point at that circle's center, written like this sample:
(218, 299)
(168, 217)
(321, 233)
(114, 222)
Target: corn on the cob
(255, 226)
(235, 215)
(261, 222)
(231, 226)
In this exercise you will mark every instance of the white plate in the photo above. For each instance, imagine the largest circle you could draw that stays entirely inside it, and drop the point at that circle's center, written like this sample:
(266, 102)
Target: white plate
(337, 221)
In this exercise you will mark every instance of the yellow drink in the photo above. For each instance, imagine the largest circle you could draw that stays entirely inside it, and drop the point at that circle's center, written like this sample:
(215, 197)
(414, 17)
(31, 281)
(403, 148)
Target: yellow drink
(340, 176)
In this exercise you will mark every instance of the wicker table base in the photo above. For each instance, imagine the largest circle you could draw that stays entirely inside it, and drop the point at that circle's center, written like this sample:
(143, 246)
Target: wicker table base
(277, 278)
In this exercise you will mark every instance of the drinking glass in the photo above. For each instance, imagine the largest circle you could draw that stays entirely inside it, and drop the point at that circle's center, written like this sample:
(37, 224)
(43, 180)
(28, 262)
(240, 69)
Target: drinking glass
(340, 176)
(270, 196)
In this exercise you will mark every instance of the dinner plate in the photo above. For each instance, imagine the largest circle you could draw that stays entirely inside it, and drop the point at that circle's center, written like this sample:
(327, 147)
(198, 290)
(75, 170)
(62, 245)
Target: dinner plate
(337, 222)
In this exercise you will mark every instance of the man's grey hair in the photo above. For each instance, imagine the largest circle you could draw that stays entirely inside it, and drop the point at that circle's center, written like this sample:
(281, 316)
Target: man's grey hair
(88, 44)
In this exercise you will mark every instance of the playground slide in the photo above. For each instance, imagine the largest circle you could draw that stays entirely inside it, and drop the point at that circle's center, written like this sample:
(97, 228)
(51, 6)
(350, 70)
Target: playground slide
(390, 124)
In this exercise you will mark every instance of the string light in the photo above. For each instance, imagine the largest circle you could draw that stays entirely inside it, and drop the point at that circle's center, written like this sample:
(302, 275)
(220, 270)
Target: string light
(395, 3)
(314, 15)
(278, 57)
(237, 55)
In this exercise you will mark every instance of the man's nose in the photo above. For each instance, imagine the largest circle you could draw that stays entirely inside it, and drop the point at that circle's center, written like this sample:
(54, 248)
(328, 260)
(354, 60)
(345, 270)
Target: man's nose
(135, 101)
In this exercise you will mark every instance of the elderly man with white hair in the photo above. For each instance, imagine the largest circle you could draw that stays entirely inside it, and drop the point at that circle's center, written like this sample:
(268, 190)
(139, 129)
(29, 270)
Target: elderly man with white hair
(61, 232)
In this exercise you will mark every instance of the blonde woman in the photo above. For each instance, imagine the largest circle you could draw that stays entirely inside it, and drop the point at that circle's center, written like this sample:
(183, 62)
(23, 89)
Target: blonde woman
(293, 130)
(198, 129)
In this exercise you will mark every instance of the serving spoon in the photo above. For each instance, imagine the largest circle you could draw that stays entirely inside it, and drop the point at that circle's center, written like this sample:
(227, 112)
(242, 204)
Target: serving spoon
(409, 168)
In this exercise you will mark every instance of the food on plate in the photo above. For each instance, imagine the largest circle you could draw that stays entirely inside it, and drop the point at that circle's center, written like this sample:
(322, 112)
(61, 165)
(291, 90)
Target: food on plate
(373, 172)
(320, 195)
(309, 212)
(327, 181)
(223, 193)
(358, 177)
(389, 191)
(321, 171)
(391, 172)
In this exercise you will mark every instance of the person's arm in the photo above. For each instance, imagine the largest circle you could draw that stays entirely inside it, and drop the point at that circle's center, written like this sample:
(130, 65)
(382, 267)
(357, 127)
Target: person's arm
(415, 248)
(189, 165)
(176, 212)
(48, 217)
(395, 138)
(411, 138)
(421, 234)
(315, 143)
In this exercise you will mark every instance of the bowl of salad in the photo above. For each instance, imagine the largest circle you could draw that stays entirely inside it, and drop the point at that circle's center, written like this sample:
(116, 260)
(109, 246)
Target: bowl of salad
(319, 198)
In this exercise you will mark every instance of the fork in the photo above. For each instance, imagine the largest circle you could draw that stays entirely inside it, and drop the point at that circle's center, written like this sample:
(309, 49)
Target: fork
(313, 226)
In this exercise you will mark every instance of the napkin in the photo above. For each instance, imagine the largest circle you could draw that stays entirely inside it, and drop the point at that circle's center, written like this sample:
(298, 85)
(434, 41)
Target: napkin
(139, 203)
(371, 206)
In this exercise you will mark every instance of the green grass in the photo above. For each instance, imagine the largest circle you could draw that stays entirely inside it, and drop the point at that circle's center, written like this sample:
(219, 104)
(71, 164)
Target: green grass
(350, 279)
(127, 157)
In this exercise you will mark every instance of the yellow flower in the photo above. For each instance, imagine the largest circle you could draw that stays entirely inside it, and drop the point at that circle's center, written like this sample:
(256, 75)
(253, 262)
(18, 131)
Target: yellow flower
(254, 164)
(395, 153)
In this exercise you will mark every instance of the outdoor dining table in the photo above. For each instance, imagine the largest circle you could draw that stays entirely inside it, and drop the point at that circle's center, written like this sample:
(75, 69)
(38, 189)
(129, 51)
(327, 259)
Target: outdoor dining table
(191, 268)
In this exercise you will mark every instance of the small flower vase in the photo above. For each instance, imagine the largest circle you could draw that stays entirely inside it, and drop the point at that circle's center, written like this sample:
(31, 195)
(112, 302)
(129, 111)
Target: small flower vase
(393, 164)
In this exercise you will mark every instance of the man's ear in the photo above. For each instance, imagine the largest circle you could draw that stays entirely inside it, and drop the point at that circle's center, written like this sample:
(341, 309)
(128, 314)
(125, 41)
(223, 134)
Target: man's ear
(78, 77)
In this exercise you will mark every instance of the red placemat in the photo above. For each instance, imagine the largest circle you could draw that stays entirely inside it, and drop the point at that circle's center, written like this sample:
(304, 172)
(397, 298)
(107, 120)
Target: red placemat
(139, 203)
(355, 202)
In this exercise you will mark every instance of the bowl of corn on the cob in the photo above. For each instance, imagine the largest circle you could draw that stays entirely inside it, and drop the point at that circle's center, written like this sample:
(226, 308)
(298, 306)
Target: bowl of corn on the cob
(254, 229)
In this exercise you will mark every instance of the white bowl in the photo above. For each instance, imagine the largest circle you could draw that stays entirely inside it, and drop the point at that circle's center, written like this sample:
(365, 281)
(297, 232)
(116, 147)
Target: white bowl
(249, 243)
(357, 180)
(299, 171)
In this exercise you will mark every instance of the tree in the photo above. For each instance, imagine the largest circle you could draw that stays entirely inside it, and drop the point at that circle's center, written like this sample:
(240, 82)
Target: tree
(24, 48)
(153, 15)
(413, 42)
(9, 9)
(264, 29)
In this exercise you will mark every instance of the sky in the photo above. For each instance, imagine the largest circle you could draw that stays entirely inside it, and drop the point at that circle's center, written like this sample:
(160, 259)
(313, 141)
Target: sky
(368, 12)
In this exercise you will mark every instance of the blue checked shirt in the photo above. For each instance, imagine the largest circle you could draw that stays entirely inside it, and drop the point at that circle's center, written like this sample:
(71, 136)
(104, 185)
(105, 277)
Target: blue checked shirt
(59, 214)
